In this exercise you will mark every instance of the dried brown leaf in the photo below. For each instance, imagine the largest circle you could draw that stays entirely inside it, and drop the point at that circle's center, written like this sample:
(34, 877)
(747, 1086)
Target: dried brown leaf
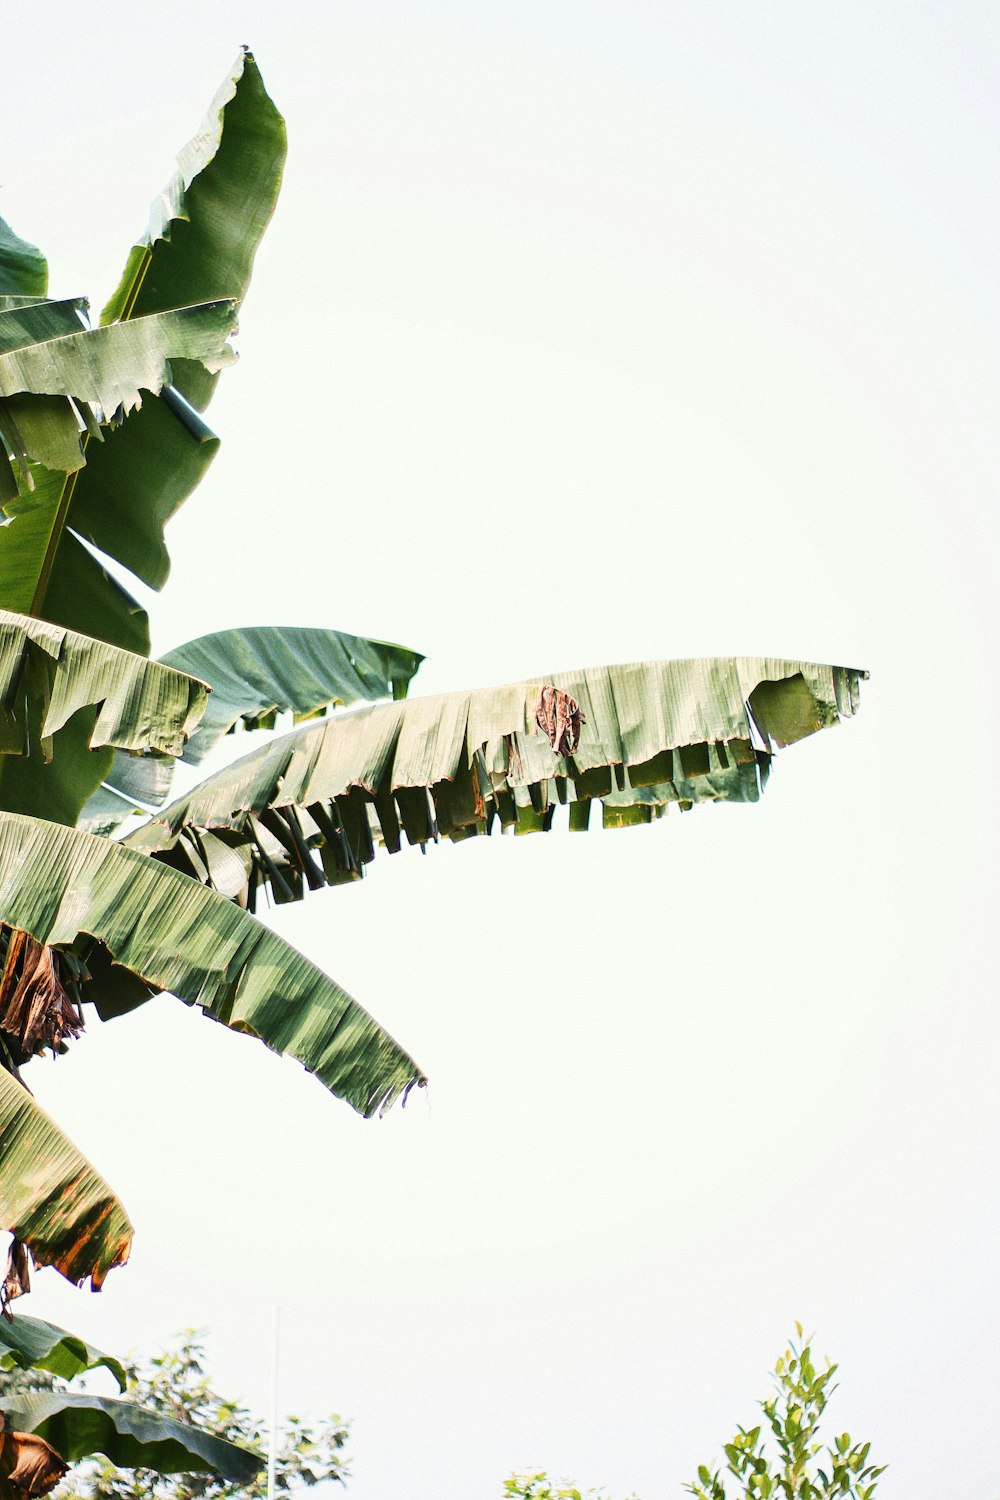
(28, 1464)
(558, 716)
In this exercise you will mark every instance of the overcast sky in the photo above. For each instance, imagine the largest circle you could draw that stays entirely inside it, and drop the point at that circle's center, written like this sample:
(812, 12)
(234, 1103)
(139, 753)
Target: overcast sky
(589, 333)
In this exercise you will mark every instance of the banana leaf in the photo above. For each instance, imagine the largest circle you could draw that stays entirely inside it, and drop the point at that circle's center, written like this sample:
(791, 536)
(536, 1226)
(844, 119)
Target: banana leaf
(204, 230)
(48, 388)
(109, 367)
(259, 671)
(135, 784)
(51, 1198)
(206, 225)
(32, 1344)
(53, 680)
(142, 704)
(309, 808)
(23, 269)
(143, 928)
(78, 1425)
(255, 673)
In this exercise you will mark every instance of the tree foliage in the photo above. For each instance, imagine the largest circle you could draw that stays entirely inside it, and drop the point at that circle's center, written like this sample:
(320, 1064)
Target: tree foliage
(176, 1384)
(803, 1467)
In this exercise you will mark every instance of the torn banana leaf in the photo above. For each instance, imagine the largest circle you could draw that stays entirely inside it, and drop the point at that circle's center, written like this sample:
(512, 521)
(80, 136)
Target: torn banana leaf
(259, 671)
(255, 673)
(204, 231)
(142, 704)
(154, 929)
(51, 1198)
(109, 367)
(309, 808)
(32, 1344)
(78, 1425)
(206, 225)
(56, 685)
(203, 234)
(49, 389)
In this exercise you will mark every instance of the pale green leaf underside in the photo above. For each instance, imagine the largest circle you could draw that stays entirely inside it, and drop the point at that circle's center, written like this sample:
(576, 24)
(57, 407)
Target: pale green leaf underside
(172, 934)
(35, 322)
(256, 673)
(142, 704)
(311, 806)
(79, 1425)
(134, 784)
(260, 670)
(50, 1195)
(32, 1344)
(110, 367)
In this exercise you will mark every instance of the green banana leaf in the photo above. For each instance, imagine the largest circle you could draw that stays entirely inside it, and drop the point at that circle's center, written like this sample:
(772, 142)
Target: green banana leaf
(156, 929)
(309, 808)
(47, 388)
(51, 1198)
(142, 704)
(23, 269)
(259, 671)
(109, 367)
(135, 784)
(78, 1425)
(204, 231)
(205, 227)
(255, 673)
(53, 680)
(32, 1344)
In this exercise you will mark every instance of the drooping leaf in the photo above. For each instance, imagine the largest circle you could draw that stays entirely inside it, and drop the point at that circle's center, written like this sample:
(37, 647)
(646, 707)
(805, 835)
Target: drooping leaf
(143, 704)
(29, 1467)
(309, 808)
(51, 1198)
(29, 322)
(78, 1425)
(156, 929)
(32, 1344)
(256, 673)
(111, 366)
(52, 680)
(40, 429)
(260, 670)
(23, 269)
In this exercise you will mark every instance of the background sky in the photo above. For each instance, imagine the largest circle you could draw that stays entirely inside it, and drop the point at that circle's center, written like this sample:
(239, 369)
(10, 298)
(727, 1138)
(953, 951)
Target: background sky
(589, 333)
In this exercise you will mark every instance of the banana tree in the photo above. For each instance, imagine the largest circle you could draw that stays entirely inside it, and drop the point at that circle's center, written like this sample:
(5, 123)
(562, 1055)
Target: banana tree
(103, 437)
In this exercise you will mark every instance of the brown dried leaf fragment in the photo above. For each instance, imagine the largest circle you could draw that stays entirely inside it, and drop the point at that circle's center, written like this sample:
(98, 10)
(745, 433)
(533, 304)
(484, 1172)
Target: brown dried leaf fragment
(28, 1464)
(558, 716)
(17, 1277)
(36, 1009)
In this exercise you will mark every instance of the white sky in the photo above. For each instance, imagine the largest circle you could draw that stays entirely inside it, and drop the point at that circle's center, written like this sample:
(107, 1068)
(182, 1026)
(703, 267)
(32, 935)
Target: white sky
(586, 333)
